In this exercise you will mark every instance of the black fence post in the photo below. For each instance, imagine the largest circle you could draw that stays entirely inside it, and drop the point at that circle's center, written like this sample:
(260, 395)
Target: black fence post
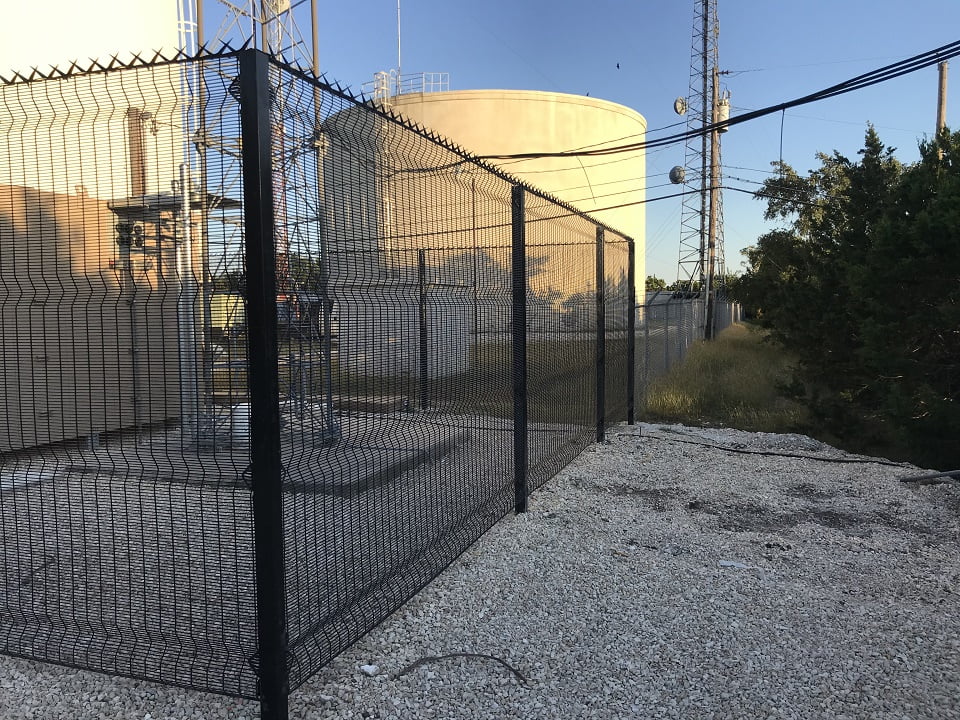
(263, 383)
(519, 327)
(646, 346)
(631, 333)
(424, 360)
(601, 341)
(666, 336)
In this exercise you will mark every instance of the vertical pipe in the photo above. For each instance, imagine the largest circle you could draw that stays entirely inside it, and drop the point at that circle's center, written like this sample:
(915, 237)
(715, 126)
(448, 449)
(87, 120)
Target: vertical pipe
(424, 358)
(601, 359)
(519, 325)
(137, 151)
(204, 235)
(263, 383)
(476, 262)
(135, 148)
(186, 315)
(315, 41)
(942, 97)
(714, 210)
(326, 301)
(264, 31)
(631, 333)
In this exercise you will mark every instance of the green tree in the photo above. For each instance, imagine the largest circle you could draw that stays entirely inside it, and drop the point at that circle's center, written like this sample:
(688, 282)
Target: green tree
(861, 284)
(909, 283)
(654, 283)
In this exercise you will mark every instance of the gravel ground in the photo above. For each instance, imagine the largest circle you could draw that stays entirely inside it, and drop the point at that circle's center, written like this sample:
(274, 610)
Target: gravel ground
(684, 573)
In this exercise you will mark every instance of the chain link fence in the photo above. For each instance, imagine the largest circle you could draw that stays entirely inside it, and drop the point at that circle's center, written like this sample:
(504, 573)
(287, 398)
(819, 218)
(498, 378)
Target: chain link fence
(272, 358)
(668, 324)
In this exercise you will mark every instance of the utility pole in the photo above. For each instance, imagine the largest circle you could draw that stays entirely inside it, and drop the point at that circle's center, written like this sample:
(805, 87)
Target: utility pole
(709, 284)
(942, 97)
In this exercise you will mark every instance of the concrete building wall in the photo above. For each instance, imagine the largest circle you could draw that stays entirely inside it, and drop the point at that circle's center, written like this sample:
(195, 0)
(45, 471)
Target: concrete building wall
(84, 350)
(74, 131)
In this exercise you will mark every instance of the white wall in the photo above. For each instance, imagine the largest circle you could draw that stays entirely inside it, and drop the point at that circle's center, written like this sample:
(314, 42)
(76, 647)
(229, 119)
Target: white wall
(55, 32)
(70, 135)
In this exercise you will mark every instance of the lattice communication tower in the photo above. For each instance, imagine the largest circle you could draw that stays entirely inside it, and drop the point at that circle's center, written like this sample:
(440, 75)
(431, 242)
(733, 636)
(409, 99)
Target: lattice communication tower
(702, 98)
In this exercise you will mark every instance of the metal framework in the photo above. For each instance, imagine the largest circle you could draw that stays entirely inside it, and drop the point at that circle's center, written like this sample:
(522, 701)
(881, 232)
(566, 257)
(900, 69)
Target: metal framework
(703, 99)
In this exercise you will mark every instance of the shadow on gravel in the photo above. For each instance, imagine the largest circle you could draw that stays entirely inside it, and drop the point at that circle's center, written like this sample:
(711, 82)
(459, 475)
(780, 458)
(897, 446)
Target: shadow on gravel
(751, 517)
(756, 517)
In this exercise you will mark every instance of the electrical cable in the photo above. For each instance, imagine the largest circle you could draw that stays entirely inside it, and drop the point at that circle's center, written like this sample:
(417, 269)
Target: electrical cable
(874, 77)
(772, 453)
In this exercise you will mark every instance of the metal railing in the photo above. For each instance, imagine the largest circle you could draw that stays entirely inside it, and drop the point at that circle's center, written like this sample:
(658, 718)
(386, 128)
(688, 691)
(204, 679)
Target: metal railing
(270, 365)
(386, 84)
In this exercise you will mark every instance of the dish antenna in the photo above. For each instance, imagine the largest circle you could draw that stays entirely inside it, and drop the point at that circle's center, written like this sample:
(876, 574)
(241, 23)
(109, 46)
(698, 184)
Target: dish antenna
(680, 106)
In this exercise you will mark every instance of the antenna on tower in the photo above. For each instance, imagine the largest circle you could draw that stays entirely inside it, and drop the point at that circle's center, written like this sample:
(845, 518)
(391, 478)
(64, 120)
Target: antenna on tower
(701, 219)
(399, 72)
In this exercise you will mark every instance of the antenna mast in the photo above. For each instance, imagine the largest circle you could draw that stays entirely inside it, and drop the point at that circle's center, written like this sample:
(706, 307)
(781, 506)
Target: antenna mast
(399, 72)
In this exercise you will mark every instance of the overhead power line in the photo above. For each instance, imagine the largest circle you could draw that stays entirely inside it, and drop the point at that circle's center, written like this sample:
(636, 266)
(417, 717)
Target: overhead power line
(874, 77)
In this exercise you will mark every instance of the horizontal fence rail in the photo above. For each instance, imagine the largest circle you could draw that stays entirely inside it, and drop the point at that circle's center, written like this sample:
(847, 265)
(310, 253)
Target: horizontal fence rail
(273, 358)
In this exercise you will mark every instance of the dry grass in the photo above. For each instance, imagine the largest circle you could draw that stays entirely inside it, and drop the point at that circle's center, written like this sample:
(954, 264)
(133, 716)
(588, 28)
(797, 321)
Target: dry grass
(732, 381)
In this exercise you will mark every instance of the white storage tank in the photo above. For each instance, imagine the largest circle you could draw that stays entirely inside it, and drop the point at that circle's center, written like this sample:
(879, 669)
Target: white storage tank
(611, 188)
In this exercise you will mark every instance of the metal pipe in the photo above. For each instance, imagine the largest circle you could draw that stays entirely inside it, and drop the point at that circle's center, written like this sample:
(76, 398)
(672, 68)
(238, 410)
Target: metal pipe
(398, 48)
(942, 97)
(631, 332)
(714, 211)
(186, 313)
(519, 328)
(601, 349)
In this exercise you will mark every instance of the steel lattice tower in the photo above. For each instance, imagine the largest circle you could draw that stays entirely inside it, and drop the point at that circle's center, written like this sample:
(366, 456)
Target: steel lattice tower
(701, 101)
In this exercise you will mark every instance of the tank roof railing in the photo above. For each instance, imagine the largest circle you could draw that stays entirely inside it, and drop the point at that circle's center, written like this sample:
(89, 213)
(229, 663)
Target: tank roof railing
(387, 84)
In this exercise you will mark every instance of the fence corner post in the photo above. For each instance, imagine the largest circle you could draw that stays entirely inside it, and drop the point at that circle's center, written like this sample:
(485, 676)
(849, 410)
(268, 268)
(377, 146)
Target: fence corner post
(519, 326)
(423, 355)
(263, 383)
(601, 341)
(631, 333)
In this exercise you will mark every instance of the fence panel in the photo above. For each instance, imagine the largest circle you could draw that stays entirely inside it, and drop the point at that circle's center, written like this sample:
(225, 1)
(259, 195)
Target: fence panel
(124, 507)
(260, 347)
(619, 301)
(407, 247)
(561, 336)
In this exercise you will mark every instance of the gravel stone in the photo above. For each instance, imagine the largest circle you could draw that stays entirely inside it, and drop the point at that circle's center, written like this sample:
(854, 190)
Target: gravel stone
(669, 572)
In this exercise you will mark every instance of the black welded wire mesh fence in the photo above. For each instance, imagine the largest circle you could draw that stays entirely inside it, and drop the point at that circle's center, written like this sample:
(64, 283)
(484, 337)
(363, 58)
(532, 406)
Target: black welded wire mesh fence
(272, 360)
(124, 503)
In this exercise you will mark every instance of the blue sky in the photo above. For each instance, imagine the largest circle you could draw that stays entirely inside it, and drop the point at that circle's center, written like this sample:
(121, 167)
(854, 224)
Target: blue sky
(775, 50)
